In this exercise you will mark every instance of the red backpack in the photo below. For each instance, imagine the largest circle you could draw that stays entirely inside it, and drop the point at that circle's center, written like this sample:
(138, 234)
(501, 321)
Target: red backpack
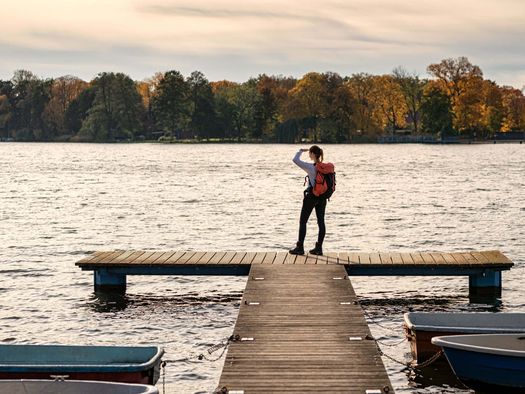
(324, 185)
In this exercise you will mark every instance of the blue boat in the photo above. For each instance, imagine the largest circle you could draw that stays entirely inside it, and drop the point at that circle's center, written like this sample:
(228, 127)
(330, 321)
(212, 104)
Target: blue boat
(23, 386)
(129, 364)
(487, 362)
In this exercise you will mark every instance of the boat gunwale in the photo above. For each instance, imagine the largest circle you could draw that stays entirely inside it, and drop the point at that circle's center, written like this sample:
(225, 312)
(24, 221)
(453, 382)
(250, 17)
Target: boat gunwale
(451, 341)
(71, 367)
(455, 328)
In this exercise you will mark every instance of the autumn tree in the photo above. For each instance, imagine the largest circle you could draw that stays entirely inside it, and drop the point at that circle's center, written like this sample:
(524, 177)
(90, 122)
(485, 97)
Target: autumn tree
(362, 88)
(412, 90)
(308, 101)
(513, 103)
(491, 109)
(462, 82)
(389, 103)
(64, 91)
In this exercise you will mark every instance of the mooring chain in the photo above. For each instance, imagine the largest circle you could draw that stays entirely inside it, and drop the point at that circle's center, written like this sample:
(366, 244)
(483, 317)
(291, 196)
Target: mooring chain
(371, 319)
(424, 364)
(391, 344)
(223, 344)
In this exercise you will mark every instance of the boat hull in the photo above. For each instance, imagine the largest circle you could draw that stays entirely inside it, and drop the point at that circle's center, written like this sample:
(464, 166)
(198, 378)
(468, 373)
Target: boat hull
(127, 364)
(421, 327)
(488, 372)
(150, 376)
(72, 387)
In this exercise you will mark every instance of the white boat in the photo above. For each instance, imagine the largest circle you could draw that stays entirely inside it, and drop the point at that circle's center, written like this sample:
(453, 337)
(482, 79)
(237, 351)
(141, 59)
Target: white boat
(421, 327)
(39, 386)
(487, 362)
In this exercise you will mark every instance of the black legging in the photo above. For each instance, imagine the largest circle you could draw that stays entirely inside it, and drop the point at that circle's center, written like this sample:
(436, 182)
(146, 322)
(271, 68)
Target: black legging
(310, 202)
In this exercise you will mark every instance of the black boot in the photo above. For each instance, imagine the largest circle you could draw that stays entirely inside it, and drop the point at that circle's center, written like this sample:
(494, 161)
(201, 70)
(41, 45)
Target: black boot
(318, 250)
(299, 249)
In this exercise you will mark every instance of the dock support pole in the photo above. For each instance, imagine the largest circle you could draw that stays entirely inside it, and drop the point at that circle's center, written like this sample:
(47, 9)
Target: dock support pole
(485, 284)
(107, 281)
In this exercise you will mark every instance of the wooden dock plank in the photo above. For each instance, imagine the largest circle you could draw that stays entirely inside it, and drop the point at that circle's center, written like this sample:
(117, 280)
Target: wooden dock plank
(259, 257)
(438, 258)
(216, 258)
(343, 258)
(206, 257)
(174, 258)
(480, 257)
(227, 258)
(353, 258)
(407, 258)
(449, 259)
(92, 257)
(239, 258)
(374, 258)
(364, 258)
(290, 259)
(331, 258)
(269, 258)
(427, 258)
(385, 258)
(460, 259)
(280, 258)
(417, 258)
(301, 335)
(496, 257)
(120, 258)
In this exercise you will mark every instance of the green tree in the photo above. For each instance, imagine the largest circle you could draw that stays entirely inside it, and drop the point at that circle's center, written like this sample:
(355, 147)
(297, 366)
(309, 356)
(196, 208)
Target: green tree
(77, 111)
(171, 102)
(117, 109)
(202, 110)
(29, 98)
(436, 112)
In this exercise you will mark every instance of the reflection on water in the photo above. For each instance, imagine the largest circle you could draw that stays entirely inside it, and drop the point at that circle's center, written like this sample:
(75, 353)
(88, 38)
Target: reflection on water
(103, 302)
(59, 202)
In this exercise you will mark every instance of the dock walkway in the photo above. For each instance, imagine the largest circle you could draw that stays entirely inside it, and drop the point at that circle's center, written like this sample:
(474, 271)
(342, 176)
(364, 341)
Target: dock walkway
(483, 268)
(303, 331)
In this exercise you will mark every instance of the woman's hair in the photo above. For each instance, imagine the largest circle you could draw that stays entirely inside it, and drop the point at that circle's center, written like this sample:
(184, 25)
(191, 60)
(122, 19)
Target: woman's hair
(318, 152)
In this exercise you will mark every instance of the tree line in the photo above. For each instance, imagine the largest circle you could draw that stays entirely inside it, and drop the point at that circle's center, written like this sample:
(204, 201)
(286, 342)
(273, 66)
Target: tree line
(454, 100)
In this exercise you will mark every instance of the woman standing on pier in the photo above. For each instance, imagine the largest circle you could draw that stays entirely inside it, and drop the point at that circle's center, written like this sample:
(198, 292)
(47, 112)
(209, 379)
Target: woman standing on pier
(313, 200)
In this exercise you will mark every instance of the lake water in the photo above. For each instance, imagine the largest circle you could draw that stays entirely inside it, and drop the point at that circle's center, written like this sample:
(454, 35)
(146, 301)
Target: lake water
(59, 202)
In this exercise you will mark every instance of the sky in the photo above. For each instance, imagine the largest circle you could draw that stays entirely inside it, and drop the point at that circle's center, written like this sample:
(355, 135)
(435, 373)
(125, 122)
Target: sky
(236, 40)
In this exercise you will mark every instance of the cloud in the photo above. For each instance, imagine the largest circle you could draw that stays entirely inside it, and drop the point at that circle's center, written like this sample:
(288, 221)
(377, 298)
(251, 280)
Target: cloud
(235, 40)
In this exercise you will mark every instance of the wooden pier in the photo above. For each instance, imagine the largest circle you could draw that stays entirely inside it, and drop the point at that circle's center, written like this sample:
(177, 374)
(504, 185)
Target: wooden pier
(300, 327)
(301, 330)
(483, 268)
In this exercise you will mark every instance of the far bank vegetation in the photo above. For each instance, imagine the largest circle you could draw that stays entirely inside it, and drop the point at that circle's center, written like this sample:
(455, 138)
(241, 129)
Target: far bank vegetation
(455, 100)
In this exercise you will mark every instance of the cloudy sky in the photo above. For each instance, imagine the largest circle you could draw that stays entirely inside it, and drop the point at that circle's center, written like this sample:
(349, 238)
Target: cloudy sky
(234, 40)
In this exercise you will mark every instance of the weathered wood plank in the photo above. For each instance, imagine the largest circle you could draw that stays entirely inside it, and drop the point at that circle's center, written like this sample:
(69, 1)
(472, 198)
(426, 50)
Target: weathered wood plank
(280, 258)
(301, 334)
(353, 258)
(374, 258)
(388, 258)
(396, 258)
(438, 258)
(407, 258)
(120, 258)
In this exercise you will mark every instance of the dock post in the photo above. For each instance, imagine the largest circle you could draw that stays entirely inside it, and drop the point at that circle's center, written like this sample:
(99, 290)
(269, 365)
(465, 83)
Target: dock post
(485, 284)
(107, 281)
